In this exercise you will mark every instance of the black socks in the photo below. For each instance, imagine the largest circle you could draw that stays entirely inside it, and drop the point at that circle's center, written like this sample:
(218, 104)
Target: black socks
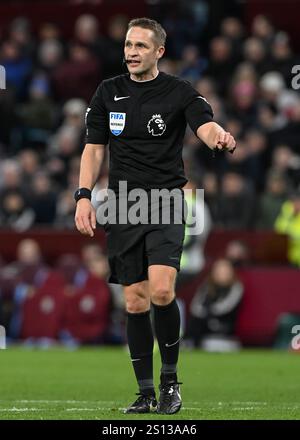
(167, 329)
(140, 342)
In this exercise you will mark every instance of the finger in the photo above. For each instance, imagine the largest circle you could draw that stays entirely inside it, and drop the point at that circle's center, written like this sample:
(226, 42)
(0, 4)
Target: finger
(221, 137)
(80, 226)
(232, 146)
(93, 219)
(231, 143)
(77, 223)
(87, 226)
(227, 138)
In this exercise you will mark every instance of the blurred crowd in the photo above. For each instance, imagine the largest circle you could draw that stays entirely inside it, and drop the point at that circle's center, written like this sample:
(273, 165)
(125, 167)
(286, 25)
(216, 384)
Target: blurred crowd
(246, 76)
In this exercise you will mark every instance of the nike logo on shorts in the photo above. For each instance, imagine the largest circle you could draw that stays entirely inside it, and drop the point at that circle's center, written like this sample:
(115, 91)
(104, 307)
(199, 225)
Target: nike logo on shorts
(117, 98)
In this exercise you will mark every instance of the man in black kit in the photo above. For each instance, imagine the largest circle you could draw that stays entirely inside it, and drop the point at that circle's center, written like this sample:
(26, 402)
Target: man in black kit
(143, 115)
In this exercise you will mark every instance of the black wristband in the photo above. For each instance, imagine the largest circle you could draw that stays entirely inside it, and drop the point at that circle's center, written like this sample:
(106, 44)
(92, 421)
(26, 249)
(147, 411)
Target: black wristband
(82, 193)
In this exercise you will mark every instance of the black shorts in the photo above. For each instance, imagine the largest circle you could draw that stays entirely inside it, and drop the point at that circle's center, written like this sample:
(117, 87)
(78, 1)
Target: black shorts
(132, 248)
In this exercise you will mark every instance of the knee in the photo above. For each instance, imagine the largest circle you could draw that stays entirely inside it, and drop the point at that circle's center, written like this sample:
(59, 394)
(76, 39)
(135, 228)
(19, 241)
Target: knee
(162, 294)
(136, 303)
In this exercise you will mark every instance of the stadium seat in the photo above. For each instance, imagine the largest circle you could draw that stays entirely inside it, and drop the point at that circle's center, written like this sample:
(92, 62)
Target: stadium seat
(43, 307)
(87, 311)
(268, 294)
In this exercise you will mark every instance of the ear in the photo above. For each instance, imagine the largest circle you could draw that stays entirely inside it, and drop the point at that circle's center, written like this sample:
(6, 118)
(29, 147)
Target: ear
(160, 52)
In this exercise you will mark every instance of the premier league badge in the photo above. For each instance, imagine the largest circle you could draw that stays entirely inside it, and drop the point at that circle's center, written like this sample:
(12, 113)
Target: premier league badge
(116, 122)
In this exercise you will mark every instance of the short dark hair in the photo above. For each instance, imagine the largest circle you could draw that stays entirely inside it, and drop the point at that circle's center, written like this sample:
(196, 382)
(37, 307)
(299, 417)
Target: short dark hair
(147, 23)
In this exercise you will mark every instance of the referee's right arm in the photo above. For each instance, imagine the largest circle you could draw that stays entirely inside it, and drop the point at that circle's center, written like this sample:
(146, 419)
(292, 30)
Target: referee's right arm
(97, 135)
(91, 161)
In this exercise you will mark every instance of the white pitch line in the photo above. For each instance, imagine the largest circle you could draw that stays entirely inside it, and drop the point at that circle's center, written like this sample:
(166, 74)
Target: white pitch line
(22, 409)
(17, 410)
(60, 401)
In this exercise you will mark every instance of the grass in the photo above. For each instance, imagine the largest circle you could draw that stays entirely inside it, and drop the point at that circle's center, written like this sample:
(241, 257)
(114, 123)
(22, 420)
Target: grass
(97, 383)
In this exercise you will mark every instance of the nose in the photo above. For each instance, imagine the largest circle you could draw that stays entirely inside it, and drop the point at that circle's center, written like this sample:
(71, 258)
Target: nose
(132, 53)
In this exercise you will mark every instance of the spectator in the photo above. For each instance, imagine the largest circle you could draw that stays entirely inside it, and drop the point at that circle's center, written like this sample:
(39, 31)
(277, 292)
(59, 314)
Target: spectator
(233, 29)
(29, 266)
(50, 53)
(192, 64)
(15, 213)
(17, 66)
(20, 33)
(86, 32)
(243, 102)
(38, 114)
(43, 200)
(49, 31)
(236, 203)
(271, 200)
(10, 178)
(288, 222)
(65, 210)
(287, 163)
(29, 162)
(78, 76)
(114, 46)
(272, 86)
(221, 64)
(29, 252)
(263, 29)
(206, 87)
(88, 307)
(283, 58)
(198, 225)
(256, 54)
(238, 253)
(214, 308)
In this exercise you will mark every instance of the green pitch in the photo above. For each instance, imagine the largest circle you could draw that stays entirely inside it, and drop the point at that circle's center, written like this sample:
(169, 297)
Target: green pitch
(97, 383)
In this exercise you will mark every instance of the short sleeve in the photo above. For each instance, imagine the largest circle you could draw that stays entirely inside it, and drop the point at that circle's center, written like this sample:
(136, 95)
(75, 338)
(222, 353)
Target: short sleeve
(197, 109)
(96, 120)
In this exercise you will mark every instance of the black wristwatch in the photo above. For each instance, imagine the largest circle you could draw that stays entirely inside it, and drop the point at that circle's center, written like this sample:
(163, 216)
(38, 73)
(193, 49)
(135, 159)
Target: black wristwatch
(82, 193)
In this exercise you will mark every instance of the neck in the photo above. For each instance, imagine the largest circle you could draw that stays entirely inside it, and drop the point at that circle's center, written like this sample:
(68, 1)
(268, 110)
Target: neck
(145, 76)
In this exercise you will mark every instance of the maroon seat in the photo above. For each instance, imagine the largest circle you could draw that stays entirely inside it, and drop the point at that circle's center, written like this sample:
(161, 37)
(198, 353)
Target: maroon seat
(43, 308)
(269, 292)
(87, 311)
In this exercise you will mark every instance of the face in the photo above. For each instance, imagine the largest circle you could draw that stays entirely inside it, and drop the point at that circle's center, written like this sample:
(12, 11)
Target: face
(142, 51)
(222, 273)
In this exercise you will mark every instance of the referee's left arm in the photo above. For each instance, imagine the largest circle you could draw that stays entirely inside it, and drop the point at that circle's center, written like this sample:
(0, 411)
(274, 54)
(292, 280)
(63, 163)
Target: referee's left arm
(199, 115)
(214, 136)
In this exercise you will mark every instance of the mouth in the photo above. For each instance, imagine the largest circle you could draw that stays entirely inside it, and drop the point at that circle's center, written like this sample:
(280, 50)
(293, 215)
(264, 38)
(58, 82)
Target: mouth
(133, 63)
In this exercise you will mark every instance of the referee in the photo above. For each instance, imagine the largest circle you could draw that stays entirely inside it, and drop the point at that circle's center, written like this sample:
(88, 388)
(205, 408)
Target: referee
(142, 115)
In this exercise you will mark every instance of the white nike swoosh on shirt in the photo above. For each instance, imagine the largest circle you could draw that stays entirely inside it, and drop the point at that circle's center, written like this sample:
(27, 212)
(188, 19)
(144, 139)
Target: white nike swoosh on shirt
(117, 98)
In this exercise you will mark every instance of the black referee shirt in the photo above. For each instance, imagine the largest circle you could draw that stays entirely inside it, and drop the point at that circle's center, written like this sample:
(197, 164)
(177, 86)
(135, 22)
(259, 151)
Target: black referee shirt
(144, 124)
